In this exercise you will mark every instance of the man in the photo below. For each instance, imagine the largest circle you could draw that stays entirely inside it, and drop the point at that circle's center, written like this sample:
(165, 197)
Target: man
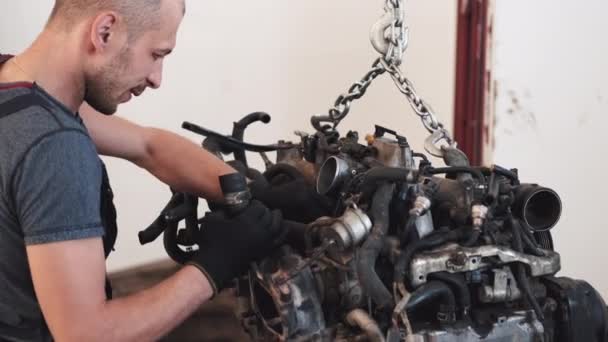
(52, 268)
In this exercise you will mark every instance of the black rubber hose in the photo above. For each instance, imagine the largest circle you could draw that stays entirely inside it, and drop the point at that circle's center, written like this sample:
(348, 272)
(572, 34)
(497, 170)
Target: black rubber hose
(256, 176)
(409, 225)
(187, 211)
(501, 171)
(229, 143)
(433, 290)
(317, 120)
(366, 261)
(250, 173)
(172, 247)
(421, 156)
(472, 238)
(458, 283)
(286, 169)
(527, 232)
(520, 273)
(158, 226)
(456, 169)
(433, 240)
(528, 240)
(385, 174)
(238, 131)
(240, 126)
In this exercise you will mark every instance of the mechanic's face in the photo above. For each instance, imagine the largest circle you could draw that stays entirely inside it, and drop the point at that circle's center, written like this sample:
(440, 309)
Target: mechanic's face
(131, 67)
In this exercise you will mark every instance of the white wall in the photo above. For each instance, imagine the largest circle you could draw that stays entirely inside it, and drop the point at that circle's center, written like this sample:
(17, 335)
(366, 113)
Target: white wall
(289, 58)
(552, 97)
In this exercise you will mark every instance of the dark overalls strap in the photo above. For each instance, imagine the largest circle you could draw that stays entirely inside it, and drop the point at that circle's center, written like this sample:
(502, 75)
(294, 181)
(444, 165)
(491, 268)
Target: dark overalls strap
(20, 103)
(108, 219)
(107, 209)
(4, 58)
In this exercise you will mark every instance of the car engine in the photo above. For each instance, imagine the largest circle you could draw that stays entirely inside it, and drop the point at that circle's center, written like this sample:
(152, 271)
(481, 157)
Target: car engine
(407, 251)
(412, 252)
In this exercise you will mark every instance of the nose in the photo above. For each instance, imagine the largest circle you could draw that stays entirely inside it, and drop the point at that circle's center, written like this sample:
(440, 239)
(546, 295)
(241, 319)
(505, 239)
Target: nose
(156, 77)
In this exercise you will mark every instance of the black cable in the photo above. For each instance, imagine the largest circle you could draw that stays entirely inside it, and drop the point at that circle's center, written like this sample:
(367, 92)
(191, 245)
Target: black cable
(528, 240)
(520, 273)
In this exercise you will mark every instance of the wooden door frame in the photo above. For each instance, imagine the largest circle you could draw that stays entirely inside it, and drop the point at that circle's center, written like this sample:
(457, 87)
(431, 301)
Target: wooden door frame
(474, 94)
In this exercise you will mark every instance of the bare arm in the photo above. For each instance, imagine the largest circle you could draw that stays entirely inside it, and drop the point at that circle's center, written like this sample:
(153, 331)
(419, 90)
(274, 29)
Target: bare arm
(173, 159)
(69, 282)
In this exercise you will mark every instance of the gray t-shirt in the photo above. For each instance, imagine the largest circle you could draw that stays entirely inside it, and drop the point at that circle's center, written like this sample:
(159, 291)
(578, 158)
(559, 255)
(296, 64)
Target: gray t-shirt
(50, 179)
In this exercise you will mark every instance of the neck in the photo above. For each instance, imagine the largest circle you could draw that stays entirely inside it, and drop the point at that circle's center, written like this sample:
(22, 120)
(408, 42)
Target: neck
(51, 61)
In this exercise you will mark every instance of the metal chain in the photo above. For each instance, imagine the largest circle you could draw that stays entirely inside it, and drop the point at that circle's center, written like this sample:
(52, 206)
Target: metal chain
(419, 105)
(399, 34)
(392, 48)
(356, 91)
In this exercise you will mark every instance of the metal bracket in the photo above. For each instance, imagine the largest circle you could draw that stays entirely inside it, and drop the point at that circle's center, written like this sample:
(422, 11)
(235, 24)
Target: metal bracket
(455, 259)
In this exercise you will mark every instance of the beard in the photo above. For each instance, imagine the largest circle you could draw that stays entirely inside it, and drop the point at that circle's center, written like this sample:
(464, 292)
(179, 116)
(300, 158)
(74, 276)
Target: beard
(103, 87)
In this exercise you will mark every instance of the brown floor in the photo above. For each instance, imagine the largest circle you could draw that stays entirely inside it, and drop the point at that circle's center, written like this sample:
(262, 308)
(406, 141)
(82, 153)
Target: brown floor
(215, 321)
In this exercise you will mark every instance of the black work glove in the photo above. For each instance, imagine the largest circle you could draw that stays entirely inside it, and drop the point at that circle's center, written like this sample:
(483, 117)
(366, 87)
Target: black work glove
(296, 199)
(228, 244)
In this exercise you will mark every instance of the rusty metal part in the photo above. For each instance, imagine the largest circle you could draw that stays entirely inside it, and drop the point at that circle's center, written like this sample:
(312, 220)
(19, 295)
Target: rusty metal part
(295, 158)
(389, 153)
(290, 310)
(361, 319)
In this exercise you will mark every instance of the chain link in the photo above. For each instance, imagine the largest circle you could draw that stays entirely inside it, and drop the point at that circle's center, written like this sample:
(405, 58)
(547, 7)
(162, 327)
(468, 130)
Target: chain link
(398, 38)
(356, 91)
(419, 105)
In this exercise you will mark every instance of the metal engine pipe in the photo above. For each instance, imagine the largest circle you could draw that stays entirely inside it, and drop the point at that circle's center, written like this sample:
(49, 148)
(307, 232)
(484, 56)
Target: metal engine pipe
(538, 207)
(332, 174)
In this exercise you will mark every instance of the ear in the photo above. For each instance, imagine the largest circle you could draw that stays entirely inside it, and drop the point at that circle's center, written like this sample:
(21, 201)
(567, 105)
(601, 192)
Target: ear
(105, 31)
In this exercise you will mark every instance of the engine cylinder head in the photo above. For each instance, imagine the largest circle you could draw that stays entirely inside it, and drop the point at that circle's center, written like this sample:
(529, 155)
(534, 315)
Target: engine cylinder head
(538, 207)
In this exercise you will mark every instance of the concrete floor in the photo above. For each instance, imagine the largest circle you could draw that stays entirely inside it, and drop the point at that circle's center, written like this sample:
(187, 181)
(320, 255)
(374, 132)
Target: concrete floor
(215, 321)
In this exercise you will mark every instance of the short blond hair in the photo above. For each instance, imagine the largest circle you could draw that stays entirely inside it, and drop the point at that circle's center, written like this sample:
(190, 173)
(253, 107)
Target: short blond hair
(140, 15)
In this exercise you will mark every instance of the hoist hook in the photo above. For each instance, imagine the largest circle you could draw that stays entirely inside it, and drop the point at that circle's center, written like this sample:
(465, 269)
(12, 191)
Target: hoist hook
(379, 34)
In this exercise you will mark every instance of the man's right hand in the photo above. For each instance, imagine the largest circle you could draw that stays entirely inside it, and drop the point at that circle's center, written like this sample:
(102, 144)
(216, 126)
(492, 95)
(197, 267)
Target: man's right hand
(227, 244)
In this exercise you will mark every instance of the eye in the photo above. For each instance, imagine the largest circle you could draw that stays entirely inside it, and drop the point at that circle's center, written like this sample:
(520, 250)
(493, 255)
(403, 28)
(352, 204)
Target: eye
(156, 56)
